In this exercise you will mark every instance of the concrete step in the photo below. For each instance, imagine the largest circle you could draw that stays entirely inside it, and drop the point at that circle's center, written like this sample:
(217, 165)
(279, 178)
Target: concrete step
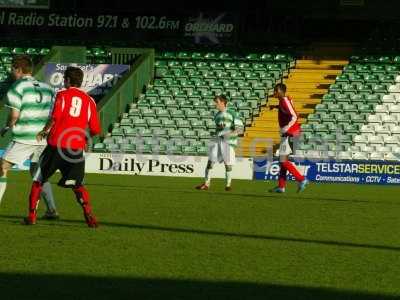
(301, 79)
(317, 71)
(255, 134)
(321, 62)
(311, 76)
(306, 85)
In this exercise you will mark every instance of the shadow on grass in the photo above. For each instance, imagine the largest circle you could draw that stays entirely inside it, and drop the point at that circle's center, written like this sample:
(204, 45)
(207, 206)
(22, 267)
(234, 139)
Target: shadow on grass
(52, 286)
(267, 195)
(18, 219)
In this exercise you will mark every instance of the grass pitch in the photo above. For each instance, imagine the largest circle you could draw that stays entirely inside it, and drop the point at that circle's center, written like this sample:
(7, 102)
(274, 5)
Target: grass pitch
(161, 239)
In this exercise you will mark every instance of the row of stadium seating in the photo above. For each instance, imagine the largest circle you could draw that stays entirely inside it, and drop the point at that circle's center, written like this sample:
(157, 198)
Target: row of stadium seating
(179, 103)
(154, 144)
(384, 59)
(373, 69)
(360, 116)
(186, 55)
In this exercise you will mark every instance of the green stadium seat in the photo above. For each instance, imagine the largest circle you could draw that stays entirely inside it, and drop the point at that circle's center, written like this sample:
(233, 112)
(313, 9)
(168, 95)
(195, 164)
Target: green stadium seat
(183, 123)
(196, 143)
(128, 148)
(322, 107)
(99, 147)
(117, 132)
(18, 51)
(144, 132)
(204, 134)
(210, 55)
(154, 123)
(371, 78)
(113, 147)
(342, 119)
(140, 123)
(363, 69)
(167, 123)
(379, 88)
(343, 98)
(342, 78)
(183, 55)
(357, 98)
(384, 59)
(161, 112)
(189, 150)
(350, 108)
(196, 124)
(5, 51)
(172, 149)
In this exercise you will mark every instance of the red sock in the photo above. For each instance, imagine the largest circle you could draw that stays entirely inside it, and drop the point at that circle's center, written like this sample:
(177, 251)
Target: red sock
(34, 198)
(293, 170)
(82, 196)
(282, 177)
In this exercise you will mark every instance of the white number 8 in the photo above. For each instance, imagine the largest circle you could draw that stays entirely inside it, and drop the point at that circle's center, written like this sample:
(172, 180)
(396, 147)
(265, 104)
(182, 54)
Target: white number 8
(76, 106)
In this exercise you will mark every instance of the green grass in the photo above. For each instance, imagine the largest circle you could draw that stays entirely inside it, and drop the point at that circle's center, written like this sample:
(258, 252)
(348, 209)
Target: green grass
(161, 239)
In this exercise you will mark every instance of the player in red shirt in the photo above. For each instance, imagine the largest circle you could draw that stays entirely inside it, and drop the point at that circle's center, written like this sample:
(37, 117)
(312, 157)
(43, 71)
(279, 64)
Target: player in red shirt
(289, 130)
(73, 113)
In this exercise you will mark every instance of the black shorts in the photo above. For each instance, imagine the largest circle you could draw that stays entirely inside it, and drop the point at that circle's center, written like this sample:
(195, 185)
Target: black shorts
(71, 164)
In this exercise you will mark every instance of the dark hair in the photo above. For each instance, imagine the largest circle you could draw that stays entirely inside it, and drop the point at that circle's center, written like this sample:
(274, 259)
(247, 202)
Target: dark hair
(23, 62)
(281, 87)
(75, 76)
(221, 98)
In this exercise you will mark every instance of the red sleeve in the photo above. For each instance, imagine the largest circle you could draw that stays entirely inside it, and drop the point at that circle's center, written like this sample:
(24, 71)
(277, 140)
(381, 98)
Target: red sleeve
(94, 122)
(288, 108)
(57, 107)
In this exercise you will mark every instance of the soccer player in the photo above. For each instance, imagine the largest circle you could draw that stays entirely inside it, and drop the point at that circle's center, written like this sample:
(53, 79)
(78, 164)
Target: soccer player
(222, 146)
(289, 131)
(74, 112)
(30, 102)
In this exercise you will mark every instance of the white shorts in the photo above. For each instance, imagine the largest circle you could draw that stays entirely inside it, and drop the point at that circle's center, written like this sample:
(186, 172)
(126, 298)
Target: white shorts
(220, 151)
(285, 146)
(17, 153)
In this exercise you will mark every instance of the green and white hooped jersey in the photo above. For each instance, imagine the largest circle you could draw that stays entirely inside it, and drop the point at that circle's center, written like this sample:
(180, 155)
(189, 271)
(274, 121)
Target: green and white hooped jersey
(34, 101)
(228, 121)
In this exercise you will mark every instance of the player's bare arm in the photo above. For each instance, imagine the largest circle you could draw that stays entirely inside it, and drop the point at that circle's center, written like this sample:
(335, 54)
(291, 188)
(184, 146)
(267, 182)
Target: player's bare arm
(11, 120)
(45, 131)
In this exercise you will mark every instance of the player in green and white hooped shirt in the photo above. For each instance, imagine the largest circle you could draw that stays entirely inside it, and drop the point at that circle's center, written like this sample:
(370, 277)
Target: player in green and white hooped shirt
(222, 146)
(30, 102)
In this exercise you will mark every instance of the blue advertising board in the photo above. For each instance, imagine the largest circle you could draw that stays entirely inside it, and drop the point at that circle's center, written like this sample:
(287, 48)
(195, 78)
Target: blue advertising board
(97, 79)
(344, 171)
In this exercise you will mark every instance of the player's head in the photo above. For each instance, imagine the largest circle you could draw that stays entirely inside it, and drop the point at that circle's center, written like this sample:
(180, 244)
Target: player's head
(220, 102)
(73, 76)
(21, 65)
(280, 90)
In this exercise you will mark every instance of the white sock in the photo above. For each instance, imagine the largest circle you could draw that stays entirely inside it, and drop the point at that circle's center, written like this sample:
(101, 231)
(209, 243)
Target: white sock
(208, 177)
(228, 178)
(47, 195)
(3, 186)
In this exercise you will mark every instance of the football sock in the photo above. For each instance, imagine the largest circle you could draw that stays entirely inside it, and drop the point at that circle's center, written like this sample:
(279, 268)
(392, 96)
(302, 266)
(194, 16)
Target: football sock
(3, 186)
(47, 195)
(293, 170)
(208, 177)
(282, 176)
(34, 198)
(228, 178)
(82, 196)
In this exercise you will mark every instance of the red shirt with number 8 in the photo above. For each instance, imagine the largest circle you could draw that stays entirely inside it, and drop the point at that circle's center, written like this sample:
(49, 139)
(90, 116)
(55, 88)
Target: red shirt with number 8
(74, 113)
